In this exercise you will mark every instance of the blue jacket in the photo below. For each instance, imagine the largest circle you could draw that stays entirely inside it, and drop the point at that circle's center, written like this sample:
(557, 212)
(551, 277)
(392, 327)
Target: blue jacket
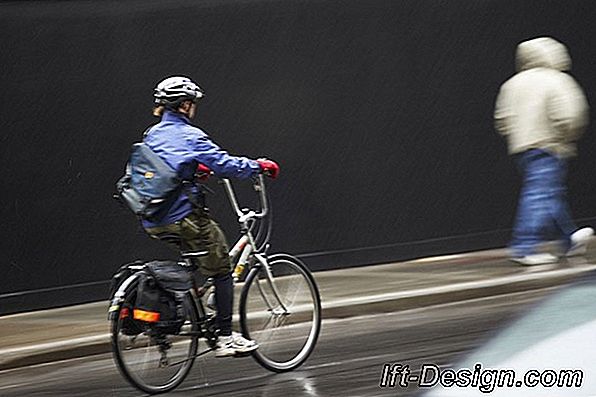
(183, 146)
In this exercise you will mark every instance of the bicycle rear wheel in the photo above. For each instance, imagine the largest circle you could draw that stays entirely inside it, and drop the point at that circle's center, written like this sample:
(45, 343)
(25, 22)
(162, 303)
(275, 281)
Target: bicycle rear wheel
(150, 360)
(283, 316)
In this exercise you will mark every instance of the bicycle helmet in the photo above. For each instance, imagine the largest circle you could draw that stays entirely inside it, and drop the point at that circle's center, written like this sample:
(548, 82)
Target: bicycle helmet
(171, 92)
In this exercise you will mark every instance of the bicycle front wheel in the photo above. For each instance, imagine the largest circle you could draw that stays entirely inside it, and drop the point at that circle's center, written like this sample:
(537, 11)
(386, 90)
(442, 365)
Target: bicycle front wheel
(281, 311)
(152, 361)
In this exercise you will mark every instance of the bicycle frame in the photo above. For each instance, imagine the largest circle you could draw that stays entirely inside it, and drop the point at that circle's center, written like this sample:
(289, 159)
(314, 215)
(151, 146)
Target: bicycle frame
(244, 249)
(246, 245)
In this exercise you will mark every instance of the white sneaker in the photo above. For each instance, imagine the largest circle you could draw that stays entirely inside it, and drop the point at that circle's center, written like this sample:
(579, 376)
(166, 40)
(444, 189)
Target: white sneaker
(535, 259)
(579, 241)
(234, 344)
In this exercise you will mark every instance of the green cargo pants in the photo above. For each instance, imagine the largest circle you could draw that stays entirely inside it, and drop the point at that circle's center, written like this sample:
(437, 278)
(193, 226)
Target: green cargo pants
(199, 232)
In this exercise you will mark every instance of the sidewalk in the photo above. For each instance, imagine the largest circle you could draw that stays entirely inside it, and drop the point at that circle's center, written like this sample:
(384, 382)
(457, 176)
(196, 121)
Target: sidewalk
(44, 336)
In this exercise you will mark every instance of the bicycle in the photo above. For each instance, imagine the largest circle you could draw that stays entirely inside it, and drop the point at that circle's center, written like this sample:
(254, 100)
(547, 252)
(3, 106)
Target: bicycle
(279, 307)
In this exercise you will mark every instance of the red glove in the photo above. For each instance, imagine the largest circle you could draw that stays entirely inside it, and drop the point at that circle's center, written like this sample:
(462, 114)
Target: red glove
(203, 172)
(269, 167)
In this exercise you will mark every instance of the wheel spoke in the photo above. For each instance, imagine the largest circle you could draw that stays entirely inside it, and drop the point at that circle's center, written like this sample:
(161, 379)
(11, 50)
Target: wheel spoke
(281, 313)
(149, 359)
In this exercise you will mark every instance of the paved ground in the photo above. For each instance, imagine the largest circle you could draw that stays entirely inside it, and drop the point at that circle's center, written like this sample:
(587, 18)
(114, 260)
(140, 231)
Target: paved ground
(348, 360)
(50, 335)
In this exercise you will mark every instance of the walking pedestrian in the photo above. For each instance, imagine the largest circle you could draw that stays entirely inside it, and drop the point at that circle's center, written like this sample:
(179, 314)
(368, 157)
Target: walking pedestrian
(542, 112)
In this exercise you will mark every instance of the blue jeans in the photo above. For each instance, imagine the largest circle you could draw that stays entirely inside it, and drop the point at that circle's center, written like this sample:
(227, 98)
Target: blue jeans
(543, 210)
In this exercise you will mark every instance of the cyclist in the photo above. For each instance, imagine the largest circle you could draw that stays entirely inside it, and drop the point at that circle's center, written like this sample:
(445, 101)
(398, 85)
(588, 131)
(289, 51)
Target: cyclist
(185, 147)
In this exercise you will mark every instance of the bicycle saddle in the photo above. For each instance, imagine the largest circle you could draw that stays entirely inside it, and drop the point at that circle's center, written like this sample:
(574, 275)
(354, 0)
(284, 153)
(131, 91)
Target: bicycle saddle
(193, 254)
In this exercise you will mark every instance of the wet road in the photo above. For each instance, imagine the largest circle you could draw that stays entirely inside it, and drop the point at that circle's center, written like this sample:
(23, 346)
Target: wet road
(347, 362)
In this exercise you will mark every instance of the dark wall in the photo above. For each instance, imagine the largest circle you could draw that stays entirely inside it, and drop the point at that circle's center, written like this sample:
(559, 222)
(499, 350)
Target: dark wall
(379, 112)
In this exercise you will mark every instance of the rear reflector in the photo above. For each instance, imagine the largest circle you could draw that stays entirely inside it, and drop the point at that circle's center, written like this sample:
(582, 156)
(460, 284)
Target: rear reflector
(124, 312)
(142, 315)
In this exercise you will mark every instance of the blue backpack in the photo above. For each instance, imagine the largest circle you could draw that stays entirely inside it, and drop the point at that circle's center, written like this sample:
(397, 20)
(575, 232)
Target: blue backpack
(149, 182)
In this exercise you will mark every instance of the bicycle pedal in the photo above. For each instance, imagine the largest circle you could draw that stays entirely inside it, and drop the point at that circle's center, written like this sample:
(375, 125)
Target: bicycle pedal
(240, 355)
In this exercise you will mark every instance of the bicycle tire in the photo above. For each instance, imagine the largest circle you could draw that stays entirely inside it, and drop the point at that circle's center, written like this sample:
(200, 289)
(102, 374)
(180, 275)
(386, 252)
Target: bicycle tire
(286, 339)
(137, 350)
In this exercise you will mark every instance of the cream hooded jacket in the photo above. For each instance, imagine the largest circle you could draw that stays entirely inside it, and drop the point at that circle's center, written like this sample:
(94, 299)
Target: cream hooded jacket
(541, 107)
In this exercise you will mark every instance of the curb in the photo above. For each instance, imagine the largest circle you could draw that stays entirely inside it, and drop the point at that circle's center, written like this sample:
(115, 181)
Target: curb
(340, 308)
(413, 299)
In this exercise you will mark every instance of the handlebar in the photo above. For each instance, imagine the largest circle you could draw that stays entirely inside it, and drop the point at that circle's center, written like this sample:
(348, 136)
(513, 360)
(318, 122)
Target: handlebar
(246, 215)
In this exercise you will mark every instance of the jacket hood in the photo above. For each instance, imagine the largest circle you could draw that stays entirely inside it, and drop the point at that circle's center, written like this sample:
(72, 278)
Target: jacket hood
(542, 52)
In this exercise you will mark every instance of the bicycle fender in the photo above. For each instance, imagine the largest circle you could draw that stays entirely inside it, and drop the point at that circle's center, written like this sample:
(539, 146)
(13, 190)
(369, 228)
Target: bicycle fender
(118, 297)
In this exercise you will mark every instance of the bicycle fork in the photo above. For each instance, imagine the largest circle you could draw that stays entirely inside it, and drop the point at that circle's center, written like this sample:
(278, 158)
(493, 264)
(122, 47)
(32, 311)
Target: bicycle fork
(279, 309)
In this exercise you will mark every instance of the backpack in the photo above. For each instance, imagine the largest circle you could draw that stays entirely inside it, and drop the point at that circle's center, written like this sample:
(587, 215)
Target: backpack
(148, 183)
(160, 294)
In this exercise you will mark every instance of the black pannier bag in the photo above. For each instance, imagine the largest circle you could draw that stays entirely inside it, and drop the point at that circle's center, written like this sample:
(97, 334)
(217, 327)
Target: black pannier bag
(160, 294)
(129, 326)
(124, 272)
